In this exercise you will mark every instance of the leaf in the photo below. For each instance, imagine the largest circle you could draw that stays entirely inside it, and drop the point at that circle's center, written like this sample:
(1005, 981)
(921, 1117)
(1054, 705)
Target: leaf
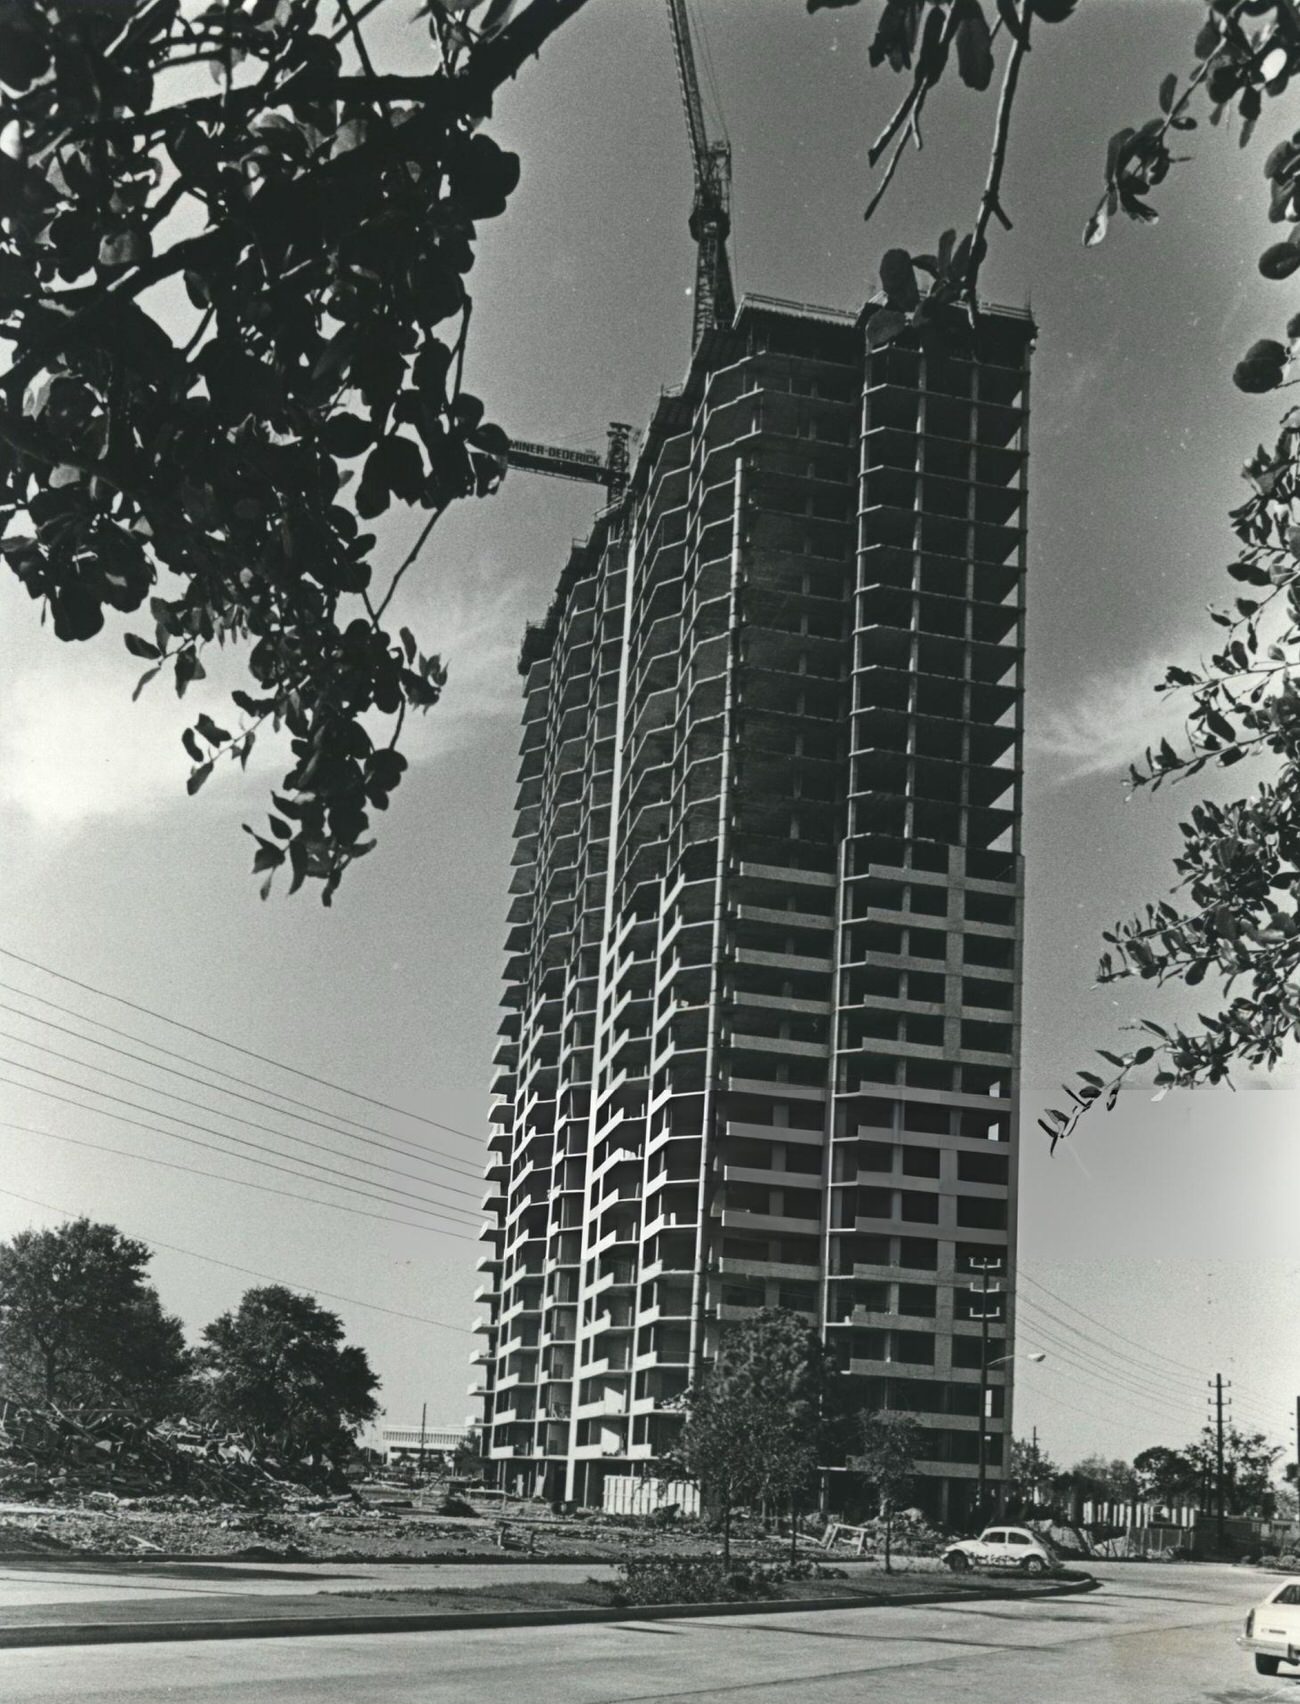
(192, 746)
(125, 248)
(1168, 89)
(144, 680)
(197, 777)
(1279, 261)
(883, 326)
(898, 279)
(139, 647)
(188, 668)
(346, 435)
(1094, 231)
(210, 731)
(974, 46)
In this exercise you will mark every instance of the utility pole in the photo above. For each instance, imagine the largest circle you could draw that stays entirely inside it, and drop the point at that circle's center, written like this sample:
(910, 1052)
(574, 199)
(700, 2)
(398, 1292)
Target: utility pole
(985, 1268)
(1218, 1460)
(1034, 1468)
(424, 1411)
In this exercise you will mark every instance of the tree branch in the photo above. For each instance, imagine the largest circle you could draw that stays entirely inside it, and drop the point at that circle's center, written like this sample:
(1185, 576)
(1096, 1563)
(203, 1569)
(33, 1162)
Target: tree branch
(990, 200)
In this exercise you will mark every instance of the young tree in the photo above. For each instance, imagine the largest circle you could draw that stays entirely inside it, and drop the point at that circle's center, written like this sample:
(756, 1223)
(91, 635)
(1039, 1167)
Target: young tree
(223, 304)
(776, 1361)
(81, 1326)
(891, 1444)
(721, 1448)
(278, 1370)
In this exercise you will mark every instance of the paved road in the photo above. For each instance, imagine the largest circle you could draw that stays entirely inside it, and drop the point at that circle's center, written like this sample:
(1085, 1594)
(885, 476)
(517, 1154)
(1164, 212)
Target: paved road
(1151, 1635)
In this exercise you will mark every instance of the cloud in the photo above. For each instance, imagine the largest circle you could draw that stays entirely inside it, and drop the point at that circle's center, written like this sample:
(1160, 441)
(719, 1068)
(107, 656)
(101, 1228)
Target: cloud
(1111, 719)
(475, 627)
(73, 747)
(75, 750)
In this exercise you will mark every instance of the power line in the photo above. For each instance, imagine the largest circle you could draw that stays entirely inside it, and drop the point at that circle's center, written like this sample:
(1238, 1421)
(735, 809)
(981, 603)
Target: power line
(307, 1177)
(220, 1177)
(220, 1112)
(398, 1144)
(219, 1041)
(249, 1272)
(1156, 1353)
(1097, 1371)
(1131, 1341)
(1156, 1376)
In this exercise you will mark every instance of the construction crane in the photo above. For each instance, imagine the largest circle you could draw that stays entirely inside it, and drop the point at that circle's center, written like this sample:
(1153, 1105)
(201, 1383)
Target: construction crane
(611, 472)
(710, 223)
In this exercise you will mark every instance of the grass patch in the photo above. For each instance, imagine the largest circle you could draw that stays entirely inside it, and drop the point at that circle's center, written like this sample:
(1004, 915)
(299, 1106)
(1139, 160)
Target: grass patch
(604, 1594)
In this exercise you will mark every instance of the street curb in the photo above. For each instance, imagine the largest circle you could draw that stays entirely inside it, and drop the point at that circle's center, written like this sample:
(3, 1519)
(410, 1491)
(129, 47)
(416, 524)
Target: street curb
(348, 1559)
(298, 1626)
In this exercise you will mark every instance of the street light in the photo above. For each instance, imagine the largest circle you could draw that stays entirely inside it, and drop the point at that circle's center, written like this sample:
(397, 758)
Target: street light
(986, 1367)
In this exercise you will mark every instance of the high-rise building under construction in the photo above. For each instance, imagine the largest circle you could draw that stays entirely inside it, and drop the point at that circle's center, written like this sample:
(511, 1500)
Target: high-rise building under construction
(762, 992)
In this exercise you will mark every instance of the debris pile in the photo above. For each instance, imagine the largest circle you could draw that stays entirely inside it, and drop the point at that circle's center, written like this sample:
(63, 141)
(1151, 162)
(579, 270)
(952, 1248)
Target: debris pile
(48, 1454)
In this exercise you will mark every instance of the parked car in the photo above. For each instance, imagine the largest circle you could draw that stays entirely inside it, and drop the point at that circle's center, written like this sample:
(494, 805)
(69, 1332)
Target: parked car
(1002, 1547)
(1273, 1628)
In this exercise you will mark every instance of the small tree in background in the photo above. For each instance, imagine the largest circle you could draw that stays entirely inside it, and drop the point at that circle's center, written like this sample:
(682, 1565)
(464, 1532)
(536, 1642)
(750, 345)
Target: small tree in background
(721, 1449)
(1165, 1475)
(81, 1326)
(1106, 1480)
(891, 1444)
(1031, 1471)
(278, 1370)
(467, 1459)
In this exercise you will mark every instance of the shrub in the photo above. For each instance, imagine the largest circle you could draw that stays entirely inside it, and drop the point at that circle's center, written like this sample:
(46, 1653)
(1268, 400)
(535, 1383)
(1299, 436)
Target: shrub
(672, 1579)
(702, 1579)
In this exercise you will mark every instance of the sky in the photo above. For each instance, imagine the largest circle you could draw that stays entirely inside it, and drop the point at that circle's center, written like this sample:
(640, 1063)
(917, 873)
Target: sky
(1157, 1248)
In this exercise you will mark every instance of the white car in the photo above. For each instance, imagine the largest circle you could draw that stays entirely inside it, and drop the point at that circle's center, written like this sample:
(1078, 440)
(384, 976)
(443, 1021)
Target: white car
(1273, 1628)
(1002, 1547)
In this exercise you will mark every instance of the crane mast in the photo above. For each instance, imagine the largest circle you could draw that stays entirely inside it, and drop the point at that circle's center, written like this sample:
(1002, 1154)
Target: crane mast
(710, 221)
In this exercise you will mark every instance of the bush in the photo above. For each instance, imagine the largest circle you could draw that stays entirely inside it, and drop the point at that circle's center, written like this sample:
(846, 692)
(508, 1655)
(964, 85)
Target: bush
(672, 1579)
(702, 1579)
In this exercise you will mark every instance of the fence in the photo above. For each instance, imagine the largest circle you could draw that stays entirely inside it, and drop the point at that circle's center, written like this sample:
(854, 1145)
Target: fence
(625, 1494)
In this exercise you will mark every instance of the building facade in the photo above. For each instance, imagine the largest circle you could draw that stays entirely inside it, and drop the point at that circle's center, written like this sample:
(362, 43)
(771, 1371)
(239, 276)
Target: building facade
(762, 988)
(406, 1444)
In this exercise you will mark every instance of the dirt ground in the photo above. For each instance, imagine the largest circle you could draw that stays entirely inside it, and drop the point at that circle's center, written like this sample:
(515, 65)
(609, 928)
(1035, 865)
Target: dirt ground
(339, 1530)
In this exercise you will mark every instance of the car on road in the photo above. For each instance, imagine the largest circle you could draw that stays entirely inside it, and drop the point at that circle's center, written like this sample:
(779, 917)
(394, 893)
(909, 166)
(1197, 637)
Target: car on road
(1002, 1547)
(1273, 1628)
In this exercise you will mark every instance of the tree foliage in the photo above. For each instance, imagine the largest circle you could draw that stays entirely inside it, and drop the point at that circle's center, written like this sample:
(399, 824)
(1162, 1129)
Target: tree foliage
(1236, 921)
(278, 1371)
(1164, 1475)
(1030, 1470)
(1104, 1478)
(1248, 1461)
(233, 276)
(891, 1446)
(753, 1423)
(81, 1326)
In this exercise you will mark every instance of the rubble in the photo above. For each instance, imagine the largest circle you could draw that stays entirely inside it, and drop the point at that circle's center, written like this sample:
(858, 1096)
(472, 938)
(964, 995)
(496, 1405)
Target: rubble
(106, 1453)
